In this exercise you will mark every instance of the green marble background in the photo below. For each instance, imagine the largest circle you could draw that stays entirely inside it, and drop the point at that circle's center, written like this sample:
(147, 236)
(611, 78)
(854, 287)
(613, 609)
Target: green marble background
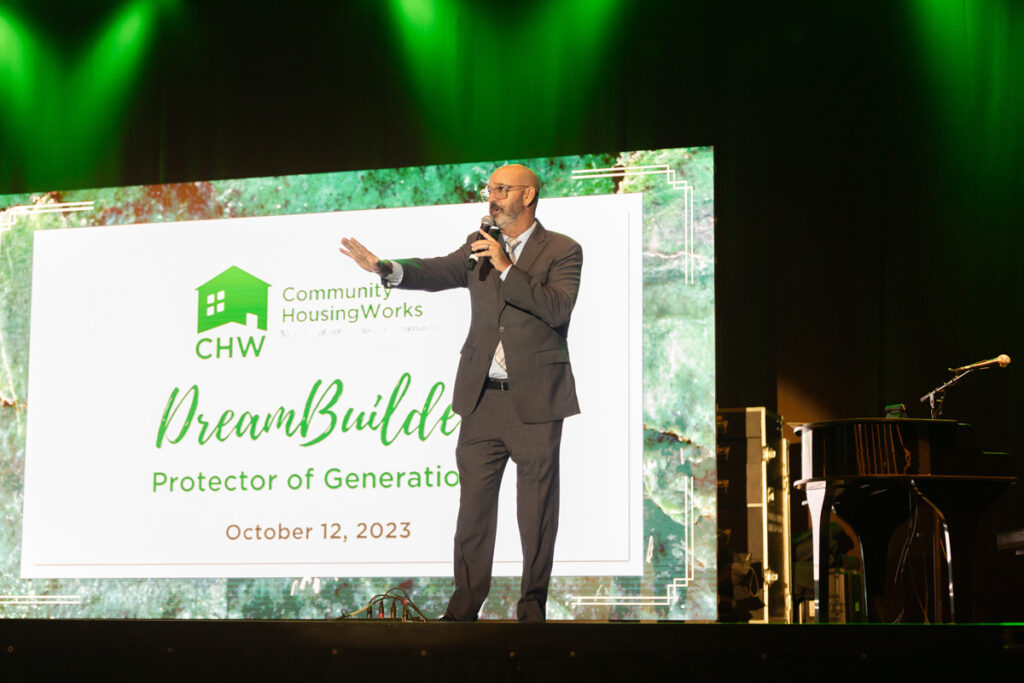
(678, 411)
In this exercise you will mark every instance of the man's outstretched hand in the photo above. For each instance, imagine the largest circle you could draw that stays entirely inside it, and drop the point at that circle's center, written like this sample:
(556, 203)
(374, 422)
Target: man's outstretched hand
(363, 257)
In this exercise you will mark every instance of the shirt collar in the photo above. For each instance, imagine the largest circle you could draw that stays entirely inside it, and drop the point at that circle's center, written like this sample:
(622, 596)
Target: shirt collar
(523, 237)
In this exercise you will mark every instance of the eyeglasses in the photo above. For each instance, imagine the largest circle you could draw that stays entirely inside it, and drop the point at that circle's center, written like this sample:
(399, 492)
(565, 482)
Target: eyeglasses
(499, 191)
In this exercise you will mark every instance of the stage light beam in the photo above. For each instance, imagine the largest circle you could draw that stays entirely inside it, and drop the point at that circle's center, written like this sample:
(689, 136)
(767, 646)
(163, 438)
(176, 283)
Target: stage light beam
(61, 113)
(19, 62)
(527, 72)
(102, 80)
(971, 56)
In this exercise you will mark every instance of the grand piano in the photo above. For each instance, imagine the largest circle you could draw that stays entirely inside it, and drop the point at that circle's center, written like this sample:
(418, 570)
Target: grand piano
(880, 475)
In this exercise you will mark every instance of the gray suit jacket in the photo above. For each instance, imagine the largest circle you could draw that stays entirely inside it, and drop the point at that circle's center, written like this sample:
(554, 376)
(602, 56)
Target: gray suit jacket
(529, 311)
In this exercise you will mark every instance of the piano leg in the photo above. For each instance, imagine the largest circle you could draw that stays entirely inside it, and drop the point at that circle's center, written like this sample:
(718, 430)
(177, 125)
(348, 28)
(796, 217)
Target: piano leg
(819, 503)
(874, 513)
(875, 510)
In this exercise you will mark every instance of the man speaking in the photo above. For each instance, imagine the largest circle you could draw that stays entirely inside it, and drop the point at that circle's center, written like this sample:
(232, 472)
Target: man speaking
(514, 384)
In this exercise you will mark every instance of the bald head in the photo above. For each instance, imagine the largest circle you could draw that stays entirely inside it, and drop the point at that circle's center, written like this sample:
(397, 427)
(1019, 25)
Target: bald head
(517, 174)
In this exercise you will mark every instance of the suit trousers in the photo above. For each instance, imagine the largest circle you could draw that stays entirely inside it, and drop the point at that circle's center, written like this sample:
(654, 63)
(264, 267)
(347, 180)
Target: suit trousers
(488, 437)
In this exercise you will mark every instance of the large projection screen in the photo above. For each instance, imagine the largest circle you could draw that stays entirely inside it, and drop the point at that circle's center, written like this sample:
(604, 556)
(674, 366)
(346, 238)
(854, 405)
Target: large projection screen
(210, 413)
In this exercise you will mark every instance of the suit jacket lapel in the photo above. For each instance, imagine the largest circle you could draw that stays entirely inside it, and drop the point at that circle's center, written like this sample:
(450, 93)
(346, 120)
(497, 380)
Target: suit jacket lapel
(532, 247)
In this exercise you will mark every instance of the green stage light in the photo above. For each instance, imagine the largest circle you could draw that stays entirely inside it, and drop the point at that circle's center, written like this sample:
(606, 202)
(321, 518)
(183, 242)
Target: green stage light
(101, 81)
(972, 53)
(62, 113)
(19, 62)
(525, 72)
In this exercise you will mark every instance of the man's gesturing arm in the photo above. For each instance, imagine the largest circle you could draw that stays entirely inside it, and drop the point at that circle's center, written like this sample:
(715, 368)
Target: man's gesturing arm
(363, 257)
(551, 301)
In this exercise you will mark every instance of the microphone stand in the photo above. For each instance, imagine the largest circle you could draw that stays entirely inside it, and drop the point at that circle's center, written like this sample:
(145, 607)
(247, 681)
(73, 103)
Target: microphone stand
(935, 396)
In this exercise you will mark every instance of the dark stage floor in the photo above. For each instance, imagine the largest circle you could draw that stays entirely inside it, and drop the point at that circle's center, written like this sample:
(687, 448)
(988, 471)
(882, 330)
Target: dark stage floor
(494, 651)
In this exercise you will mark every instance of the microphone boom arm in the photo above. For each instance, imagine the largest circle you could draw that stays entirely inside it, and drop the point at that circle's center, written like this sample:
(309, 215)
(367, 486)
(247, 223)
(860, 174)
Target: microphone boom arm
(935, 396)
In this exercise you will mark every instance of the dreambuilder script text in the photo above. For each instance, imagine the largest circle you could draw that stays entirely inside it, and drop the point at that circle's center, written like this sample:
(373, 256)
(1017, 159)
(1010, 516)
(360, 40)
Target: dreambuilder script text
(321, 417)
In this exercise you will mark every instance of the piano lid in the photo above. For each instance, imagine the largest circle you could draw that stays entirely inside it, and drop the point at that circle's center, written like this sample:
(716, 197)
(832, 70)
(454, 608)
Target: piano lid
(902, 447)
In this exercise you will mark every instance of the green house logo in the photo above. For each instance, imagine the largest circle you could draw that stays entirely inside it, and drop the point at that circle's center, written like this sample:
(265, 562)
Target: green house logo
(232, 297)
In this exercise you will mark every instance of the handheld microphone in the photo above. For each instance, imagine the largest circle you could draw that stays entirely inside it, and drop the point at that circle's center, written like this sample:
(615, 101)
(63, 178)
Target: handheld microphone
(486, 223)
(1001, 360)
